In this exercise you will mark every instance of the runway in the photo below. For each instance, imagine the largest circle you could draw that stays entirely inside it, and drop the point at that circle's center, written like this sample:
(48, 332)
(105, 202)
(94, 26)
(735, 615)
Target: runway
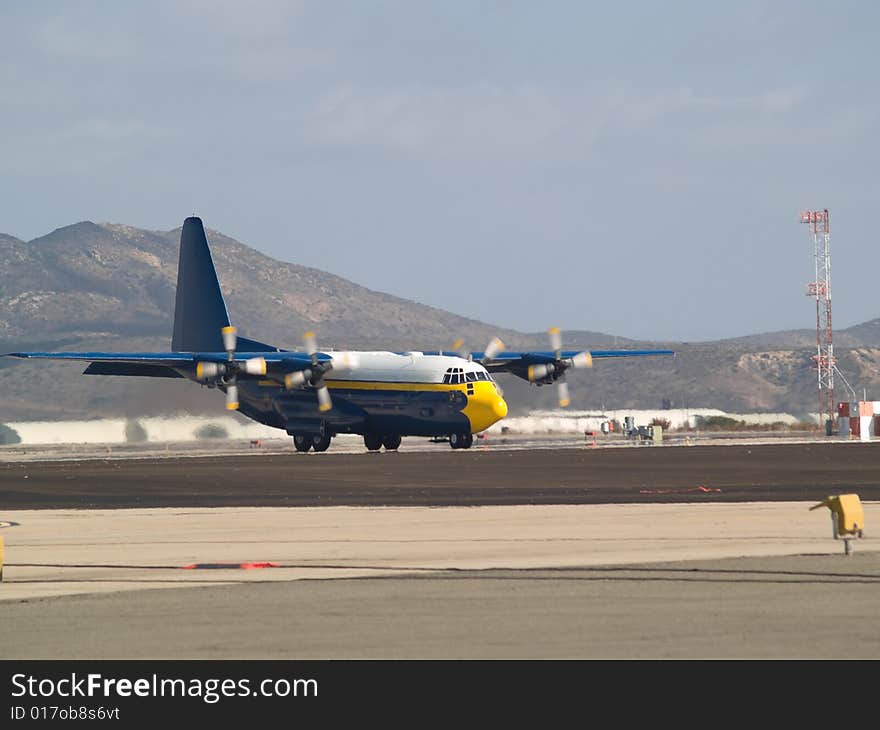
(648, 552)
(442, 477)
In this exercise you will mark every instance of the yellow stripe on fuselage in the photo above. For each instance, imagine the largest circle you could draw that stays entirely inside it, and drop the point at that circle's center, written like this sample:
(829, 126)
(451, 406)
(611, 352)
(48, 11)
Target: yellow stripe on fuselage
(386, 385)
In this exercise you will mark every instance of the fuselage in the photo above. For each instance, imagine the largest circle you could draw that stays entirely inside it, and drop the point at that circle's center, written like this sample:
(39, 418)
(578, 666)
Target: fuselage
(384, 393)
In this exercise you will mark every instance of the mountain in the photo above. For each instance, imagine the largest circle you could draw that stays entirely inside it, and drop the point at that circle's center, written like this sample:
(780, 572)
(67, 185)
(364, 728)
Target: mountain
(104, 286)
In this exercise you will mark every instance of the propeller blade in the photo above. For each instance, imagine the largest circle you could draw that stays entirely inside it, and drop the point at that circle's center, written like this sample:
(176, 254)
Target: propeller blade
(255, 366)
(311, 343)
(582, 360)
(298, 377)
(324, 402)
(562, 393)
(231, 397)
(229, 340)
(492, 349)
(556, 340)
(461, 350)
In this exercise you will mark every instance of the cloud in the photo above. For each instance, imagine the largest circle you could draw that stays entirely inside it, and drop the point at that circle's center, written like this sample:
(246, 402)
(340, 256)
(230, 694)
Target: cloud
(486, 120)
(809, 132)
(249, 41)
(104, 130)
(60, 37)
(92, 142)
(639, 109)
(233, 19)
(475, 119)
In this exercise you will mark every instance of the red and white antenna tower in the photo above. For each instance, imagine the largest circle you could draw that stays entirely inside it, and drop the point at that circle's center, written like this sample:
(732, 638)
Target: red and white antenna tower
(823, 361)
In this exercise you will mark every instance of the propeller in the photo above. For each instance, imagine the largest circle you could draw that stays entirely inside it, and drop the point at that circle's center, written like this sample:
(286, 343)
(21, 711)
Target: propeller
(554, 372)
(492, 349)
(461, 350)
(556, 341)
(227, 373)
(229, 342)
(562, 397)
(314, 375)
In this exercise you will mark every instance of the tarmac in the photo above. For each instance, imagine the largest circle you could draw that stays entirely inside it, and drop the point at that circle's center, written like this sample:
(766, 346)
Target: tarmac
(569, 552)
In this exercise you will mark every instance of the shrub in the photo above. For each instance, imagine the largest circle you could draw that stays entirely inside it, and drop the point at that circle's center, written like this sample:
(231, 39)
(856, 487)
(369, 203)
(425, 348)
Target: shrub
(8, 435)
(211, 431)
(719, 423)
(664, 423)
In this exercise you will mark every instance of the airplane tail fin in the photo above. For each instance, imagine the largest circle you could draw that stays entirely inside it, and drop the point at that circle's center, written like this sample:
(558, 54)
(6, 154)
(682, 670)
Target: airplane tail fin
(199, 310)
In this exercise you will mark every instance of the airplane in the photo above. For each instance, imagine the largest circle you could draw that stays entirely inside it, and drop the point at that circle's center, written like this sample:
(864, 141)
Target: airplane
(315, 395)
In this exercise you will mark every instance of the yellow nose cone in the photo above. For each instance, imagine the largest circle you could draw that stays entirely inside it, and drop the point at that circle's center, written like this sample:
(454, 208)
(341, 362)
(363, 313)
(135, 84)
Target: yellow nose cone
(484, 407)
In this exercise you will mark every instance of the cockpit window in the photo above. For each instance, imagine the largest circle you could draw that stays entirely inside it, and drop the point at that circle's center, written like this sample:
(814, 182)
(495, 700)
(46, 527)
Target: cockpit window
(457, 376)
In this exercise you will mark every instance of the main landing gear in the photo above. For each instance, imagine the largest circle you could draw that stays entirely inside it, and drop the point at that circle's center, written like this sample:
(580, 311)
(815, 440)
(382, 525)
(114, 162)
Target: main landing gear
(374, 442)
(461, 440)
(318, 442)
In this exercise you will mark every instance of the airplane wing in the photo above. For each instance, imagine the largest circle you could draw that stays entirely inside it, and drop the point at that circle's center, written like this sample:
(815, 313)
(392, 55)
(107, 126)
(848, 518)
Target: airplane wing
(223, 369)
(177, 364)
(509, 360)
(545, 367)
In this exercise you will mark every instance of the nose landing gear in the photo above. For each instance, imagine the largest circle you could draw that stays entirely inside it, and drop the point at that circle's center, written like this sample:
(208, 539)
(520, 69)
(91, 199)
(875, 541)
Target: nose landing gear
(461, 440)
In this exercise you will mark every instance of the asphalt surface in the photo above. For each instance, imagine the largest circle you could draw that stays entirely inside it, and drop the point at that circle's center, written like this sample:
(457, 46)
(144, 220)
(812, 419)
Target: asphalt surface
(794, 607)
(814, 603)
(647, 474)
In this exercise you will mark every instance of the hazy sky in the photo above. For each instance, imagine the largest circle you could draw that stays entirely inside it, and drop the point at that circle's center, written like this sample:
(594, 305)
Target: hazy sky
(635, 168)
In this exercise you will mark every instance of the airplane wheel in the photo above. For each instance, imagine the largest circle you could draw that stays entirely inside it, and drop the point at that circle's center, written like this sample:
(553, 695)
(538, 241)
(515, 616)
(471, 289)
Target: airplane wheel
(467, 439)
(302, 443)
(373, 442)
(391, 442)
(460, 440)
(321, 443)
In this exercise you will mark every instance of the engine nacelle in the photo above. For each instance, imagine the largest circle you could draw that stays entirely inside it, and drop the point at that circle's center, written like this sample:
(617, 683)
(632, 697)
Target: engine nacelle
(210, 370)
(543, 373)
(297, 378)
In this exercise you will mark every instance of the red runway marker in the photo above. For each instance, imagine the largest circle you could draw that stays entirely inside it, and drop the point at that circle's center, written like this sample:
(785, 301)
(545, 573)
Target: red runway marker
(700, 488)
(227, 566)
